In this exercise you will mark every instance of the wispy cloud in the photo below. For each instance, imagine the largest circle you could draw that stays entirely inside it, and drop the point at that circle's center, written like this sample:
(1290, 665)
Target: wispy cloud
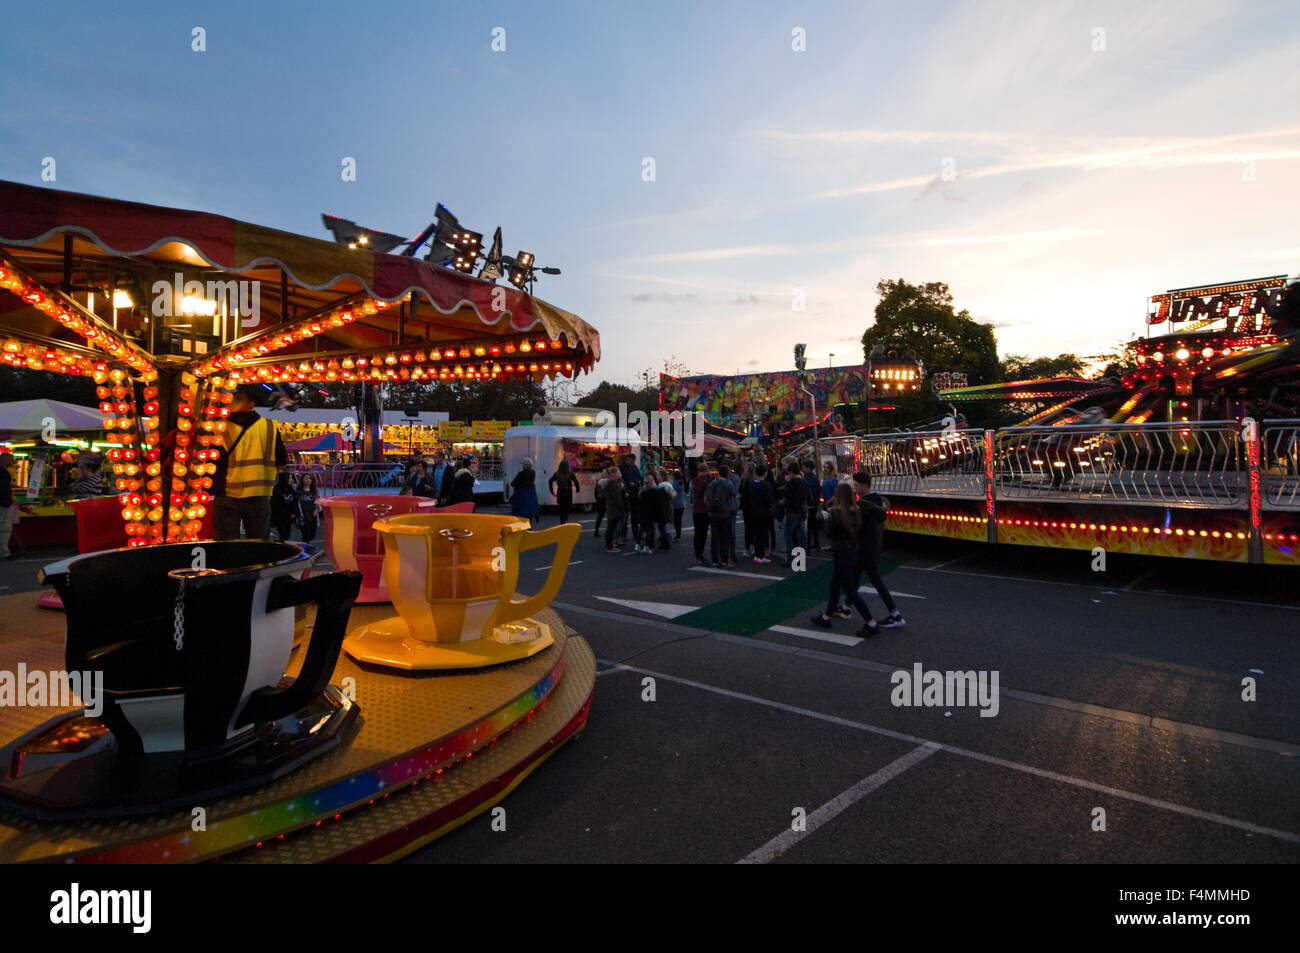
(1158, 155)
(720, 254)
(1056, 235)
(893, 136)
(861, 244)
(664, 297)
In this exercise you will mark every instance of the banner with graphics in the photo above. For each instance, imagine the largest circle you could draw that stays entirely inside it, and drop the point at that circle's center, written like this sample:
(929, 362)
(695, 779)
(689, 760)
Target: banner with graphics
(489, 430)
(773, 403)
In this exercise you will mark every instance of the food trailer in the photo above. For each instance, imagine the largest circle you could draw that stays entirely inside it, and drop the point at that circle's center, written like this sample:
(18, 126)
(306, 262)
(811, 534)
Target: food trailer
(568, 433)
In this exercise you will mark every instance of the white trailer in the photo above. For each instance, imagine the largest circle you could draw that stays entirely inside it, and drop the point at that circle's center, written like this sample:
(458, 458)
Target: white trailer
(589, 449)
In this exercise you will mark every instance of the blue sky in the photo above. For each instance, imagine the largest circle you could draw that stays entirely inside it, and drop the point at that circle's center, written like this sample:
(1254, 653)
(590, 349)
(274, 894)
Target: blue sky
(1052, 175)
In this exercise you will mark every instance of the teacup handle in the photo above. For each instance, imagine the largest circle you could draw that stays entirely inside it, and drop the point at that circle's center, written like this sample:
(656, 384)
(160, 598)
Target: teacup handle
(564, 537)
(334, 594)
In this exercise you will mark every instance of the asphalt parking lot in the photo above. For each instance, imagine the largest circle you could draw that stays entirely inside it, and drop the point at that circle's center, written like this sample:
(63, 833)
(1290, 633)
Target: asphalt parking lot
(1118, 692)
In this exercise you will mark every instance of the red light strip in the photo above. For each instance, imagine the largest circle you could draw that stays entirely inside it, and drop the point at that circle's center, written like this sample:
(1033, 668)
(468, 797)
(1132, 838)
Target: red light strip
(1132, 529)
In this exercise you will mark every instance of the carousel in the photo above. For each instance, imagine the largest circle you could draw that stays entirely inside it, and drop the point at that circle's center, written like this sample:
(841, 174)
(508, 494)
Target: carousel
(201, 700)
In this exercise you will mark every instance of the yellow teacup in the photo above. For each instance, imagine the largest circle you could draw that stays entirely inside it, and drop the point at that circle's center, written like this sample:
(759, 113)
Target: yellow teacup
(452, 578)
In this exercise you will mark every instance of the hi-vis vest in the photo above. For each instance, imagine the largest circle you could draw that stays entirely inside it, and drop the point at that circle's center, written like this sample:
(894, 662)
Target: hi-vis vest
(250, 466)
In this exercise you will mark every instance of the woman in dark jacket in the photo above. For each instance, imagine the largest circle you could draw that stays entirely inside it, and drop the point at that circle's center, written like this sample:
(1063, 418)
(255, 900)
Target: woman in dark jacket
(843, 523)
(523, 496)
(746, 508)
(761, 497)
(646, 506)
(663, 506)
(308, 509)
(562, 486)
(284, 505)
(462, 485)
(615, 507)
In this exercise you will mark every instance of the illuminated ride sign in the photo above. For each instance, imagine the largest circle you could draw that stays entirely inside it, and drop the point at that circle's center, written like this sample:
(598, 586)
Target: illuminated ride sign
(1243, 307)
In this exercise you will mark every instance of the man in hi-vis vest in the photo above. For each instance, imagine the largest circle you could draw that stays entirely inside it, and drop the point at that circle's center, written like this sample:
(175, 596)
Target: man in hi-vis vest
(253, 453)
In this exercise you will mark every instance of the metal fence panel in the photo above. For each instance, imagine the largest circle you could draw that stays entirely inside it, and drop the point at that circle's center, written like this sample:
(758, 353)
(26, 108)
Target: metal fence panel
(1280, 463)
(947, 463)
(1189, 464)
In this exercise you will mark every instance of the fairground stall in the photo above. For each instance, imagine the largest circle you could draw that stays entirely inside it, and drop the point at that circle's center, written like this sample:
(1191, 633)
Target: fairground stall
(571, 434)
(222, 678)
(61, 458)
(1191, 451)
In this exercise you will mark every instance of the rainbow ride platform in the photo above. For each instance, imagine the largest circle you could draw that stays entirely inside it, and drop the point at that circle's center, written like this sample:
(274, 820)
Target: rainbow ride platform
(427, 754)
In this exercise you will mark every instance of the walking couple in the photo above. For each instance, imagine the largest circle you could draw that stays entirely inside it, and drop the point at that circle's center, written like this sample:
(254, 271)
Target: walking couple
(856, 530)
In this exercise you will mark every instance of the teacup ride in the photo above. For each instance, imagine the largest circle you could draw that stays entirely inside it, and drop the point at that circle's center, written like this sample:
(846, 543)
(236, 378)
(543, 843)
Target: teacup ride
(352, 543)
(100, 528)
(195, 702)
(452, 578)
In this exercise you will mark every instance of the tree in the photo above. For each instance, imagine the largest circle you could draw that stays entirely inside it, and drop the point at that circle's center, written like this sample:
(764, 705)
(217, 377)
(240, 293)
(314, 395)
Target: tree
(921, 318)
(607, 396)
(1017, 367)
(19, 383)
(1120, 359)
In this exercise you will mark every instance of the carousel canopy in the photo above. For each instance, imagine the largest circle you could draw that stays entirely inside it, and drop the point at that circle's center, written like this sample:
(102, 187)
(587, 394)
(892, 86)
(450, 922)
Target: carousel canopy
(314, 300)
(34, 416)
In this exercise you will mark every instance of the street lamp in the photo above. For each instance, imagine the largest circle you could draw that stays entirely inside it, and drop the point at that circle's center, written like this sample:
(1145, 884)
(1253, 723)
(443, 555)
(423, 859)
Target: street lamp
(800, 364)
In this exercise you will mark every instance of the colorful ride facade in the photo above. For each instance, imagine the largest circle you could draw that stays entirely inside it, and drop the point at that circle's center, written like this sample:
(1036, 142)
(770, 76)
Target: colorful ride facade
(1192, 451)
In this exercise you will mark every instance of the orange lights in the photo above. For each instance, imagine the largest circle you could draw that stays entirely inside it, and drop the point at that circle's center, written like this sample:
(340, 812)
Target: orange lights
(66, 314)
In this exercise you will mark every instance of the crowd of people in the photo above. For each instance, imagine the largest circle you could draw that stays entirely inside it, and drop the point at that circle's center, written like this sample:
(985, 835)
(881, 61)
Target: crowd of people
(446, 481)
(645, 505)
(640, 505)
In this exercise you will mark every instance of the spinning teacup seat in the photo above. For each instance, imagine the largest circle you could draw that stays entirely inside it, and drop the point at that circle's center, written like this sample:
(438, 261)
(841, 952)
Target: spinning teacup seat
(350, 538)
(452, 578)
(192, 640)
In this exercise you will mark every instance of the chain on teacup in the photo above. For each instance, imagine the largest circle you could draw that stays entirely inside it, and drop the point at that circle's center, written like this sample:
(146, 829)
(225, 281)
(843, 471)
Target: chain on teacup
(178, 617)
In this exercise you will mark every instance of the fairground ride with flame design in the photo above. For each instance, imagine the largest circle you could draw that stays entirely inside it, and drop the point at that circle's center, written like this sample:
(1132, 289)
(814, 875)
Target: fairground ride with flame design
(1192, 451)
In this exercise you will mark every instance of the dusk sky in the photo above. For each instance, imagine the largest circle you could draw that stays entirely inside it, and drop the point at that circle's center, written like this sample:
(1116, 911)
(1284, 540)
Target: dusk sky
(1054, 163)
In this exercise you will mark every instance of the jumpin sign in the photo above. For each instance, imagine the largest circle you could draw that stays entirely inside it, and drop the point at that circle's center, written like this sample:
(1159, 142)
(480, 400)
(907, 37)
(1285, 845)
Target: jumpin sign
(1243, 307)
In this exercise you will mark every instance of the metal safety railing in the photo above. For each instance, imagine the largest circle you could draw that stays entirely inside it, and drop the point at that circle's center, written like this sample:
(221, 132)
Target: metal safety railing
(940, 462)
(1251, 467)
(352, 477)
(370, 477)
(1185, 464)
(1280, 464)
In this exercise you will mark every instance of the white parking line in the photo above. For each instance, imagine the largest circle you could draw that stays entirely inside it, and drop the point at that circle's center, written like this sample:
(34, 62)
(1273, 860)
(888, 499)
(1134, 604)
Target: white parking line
(735, 572)
(1217, 735)
(985, 758)
(848, 640)
(576, 562)
(774, 578)
(782, 842)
